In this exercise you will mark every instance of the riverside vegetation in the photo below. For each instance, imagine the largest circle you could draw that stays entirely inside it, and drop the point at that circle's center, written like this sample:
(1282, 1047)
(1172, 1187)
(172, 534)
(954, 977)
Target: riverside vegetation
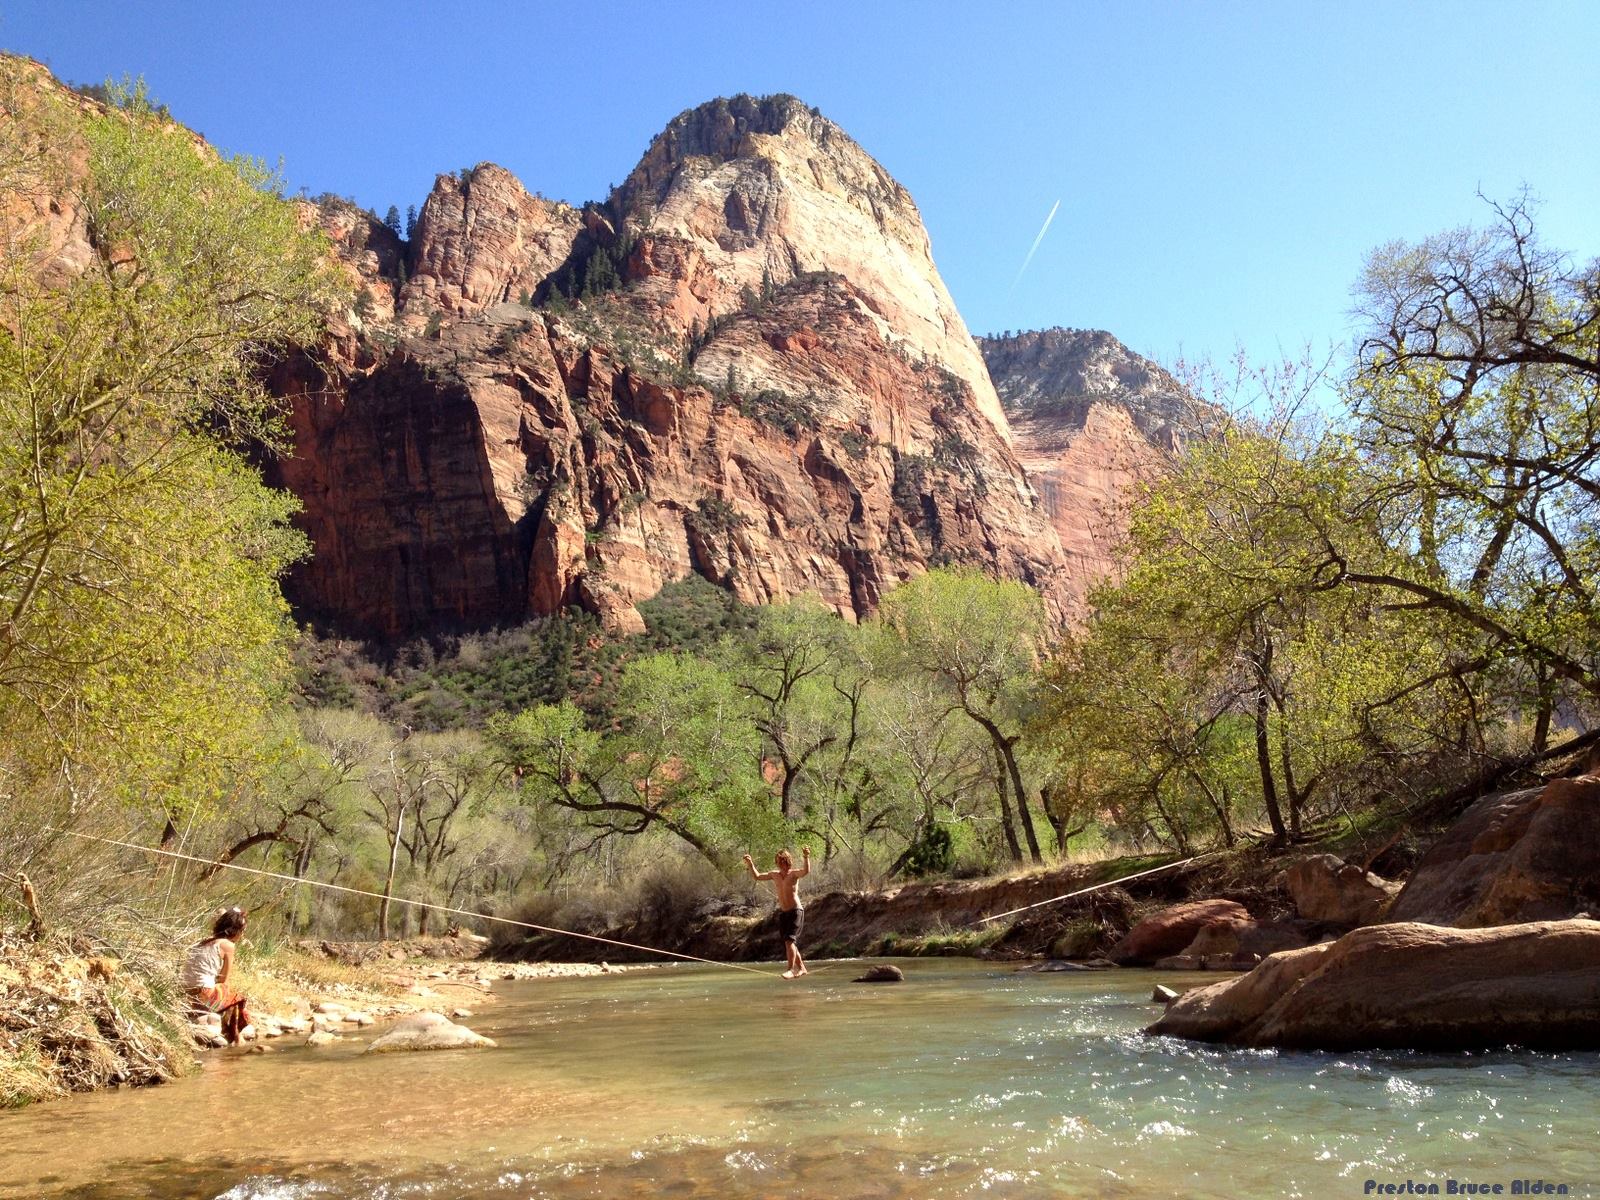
(1355, 617)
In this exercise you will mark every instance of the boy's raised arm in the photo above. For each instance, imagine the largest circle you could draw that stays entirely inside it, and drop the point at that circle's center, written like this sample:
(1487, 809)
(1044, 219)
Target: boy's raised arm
(750, 863)
(805, 866)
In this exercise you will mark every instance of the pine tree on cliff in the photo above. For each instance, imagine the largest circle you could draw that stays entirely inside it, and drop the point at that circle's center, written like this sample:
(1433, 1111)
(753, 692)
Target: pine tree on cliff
(411, 222)
(391, 219)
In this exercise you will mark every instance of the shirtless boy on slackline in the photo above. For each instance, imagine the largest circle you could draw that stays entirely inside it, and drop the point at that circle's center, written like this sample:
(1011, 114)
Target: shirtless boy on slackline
(791, 912)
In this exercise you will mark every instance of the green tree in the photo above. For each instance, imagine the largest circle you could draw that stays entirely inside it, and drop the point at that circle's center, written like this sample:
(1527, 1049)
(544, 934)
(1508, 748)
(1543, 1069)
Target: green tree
(391, 220)
(981, 639)
(685, 759)
(140, 622)
(1476, 401)
(1230, 648)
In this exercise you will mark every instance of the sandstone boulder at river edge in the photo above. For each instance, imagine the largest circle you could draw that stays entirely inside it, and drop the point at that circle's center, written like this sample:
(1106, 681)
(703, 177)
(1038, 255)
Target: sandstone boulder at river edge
(1171, 930)
(1326, 888)
(1410, 986)
(1530, 855)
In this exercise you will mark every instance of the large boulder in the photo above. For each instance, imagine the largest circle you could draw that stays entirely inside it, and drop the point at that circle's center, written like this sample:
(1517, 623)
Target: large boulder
(1410, 986)
(427, 1031)
(1242, 938)
(1532, 855)
(1326, 888)
(1170, 931)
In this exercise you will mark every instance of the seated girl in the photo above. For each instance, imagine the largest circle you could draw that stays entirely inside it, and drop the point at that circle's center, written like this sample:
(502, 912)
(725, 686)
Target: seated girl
(205, 976)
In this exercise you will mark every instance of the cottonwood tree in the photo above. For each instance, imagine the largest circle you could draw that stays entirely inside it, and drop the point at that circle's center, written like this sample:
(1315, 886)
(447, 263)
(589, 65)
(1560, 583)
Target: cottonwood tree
(791, 672)
(981, 639)
(1476, 399)
(140, 620)
(685, 760)
(398, 786)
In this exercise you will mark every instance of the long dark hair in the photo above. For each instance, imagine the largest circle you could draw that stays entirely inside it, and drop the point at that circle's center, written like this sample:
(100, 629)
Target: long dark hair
(229, 924)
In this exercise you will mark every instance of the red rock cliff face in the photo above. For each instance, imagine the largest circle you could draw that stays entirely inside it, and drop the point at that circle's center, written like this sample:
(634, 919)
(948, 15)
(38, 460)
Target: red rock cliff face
(759, 378)
(1091, 421)
(774, 390)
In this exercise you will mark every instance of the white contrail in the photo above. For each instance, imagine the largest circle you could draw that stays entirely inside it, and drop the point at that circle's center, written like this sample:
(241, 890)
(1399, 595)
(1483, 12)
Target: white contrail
(1043, 229)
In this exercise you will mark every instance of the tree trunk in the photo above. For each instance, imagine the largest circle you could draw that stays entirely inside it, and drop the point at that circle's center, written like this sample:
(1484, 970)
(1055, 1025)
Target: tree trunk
(1007, 823)
(1262, 660)
(1545, 710)
(388, 882)
(1218, 806)
(1006, 762)
(1022, 801)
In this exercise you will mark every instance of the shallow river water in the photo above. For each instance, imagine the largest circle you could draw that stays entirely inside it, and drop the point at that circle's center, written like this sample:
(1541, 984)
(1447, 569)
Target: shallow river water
(967, 1080)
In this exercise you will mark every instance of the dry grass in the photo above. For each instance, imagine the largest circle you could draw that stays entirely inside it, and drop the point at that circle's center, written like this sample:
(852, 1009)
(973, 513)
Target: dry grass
(73, 1024)
(273, 977)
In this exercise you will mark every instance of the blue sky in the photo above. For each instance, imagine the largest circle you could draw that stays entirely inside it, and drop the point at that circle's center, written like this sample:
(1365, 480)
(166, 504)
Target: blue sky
(1222, 168)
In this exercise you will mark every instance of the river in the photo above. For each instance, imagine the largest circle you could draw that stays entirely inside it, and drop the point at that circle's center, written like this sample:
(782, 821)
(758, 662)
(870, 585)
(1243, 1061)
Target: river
(967, 1080)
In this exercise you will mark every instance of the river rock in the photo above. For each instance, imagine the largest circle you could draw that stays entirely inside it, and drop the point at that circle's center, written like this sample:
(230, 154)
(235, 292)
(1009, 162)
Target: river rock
(1050, 965)
(427, 1031)
(1242, 939)
(1410, 986)
(1171, 930)
(321, 1037)
(1207, 962)
(360, 1019)
(882, 973)
(1326, 888)
(1532, 855)
(204, 1035)
(1163, 995)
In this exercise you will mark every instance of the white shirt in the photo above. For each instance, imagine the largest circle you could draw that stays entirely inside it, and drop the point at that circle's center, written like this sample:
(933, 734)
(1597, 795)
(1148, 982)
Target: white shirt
(204, 964)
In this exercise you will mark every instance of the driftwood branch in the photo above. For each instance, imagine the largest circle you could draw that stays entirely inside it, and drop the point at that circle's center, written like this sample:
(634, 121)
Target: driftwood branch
(30, 901)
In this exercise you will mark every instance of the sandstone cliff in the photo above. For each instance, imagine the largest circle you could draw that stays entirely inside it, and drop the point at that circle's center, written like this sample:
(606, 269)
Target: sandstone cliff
(743, 364)
(1090, 421)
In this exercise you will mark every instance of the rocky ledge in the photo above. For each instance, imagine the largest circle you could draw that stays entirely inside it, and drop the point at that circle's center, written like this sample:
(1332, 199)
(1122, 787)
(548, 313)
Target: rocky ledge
(1410, 986)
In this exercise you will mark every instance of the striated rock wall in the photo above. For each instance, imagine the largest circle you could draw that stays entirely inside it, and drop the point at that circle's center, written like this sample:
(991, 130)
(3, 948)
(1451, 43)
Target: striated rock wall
(763, 381)
(506, 468)
(481, 239)
(776, 392)
(1090, 422)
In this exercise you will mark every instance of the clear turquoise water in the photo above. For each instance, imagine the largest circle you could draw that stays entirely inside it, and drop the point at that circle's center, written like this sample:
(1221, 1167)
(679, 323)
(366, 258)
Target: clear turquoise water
(967, 1080)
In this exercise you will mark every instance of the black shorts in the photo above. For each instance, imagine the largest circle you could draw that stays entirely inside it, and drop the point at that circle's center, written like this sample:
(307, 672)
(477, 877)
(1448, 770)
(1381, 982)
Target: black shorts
(790, 922)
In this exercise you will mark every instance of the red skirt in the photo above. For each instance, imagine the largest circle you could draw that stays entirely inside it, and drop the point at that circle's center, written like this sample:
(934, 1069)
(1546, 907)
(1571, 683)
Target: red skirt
(224, 1000)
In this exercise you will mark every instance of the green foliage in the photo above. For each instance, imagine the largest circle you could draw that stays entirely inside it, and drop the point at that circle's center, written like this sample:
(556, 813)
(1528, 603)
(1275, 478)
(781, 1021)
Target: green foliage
(933, 853)
(910, 481)
(713, 516)
(792, 414)
(141, 630)
(596, 268)
(976, 641)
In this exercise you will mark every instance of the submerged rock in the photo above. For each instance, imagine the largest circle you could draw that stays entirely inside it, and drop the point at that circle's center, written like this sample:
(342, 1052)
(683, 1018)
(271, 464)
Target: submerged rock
(1053, 964)
(1171, 930)
(1410, 986)
(1326, 888)
(882, 973)
(427, 1031)
(321, 1037)
(1532, 855)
